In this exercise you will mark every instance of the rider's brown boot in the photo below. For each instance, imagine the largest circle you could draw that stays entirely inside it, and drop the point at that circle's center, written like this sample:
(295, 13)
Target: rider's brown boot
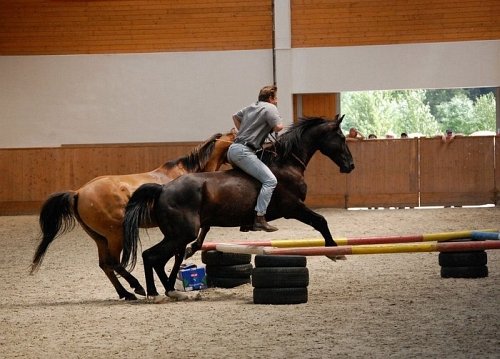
(260, 224)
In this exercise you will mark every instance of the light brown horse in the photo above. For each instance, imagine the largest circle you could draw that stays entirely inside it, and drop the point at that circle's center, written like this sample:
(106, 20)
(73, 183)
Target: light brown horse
(99, 207)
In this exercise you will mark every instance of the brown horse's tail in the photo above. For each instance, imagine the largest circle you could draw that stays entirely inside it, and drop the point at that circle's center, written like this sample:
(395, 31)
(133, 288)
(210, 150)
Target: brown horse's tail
(57, 216)
(138, 211)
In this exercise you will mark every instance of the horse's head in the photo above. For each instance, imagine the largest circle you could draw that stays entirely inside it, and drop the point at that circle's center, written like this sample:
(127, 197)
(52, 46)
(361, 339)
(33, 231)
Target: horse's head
(218, 155)
(332, 143)
(310, 134)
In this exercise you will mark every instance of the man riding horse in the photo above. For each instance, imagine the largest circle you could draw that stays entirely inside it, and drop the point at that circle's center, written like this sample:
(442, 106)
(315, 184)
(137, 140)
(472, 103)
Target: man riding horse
(254, 123)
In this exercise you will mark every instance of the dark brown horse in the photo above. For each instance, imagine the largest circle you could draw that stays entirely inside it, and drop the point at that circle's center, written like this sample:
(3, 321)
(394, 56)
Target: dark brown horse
(186, 208)
(99, 207)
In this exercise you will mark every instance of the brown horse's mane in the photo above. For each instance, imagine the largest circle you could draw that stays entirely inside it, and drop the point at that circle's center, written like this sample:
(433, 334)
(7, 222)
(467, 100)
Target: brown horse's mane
(197, 158)
(292, 137)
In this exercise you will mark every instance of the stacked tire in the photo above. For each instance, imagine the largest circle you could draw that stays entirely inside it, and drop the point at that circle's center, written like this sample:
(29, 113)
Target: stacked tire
(227, 270)
(280, 279)
(463, 264)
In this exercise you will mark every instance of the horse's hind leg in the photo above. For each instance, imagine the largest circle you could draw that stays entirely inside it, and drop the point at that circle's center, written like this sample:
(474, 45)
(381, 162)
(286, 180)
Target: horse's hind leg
(179, 256)
(134, 283)
(171, 292)
(148, 273)
(107, 264)
(115, 248)
(155, 259)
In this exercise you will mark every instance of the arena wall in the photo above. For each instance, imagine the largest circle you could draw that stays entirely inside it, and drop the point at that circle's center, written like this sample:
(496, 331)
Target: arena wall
(388, 173)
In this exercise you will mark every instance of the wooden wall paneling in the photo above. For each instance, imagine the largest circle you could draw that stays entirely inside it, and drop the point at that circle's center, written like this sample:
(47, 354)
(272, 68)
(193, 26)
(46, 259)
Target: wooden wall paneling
(11, 173)
(127, 26)
(457, 173)
(320, 105)
(317, 23)
(386, 174)
(31, 175)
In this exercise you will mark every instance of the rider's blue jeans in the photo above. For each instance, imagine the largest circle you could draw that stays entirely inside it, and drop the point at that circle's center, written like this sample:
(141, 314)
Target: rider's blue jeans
(244, 158)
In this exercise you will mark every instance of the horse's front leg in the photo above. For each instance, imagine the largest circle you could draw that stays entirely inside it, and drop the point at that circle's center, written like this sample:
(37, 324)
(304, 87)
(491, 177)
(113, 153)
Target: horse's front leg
(196, 245)
(319, 223)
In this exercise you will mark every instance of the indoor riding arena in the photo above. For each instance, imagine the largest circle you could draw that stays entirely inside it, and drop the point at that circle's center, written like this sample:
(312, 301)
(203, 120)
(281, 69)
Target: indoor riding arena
(105, 92)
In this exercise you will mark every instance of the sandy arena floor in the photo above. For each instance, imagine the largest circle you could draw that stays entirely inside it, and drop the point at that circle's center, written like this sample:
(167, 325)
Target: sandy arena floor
(370, 306)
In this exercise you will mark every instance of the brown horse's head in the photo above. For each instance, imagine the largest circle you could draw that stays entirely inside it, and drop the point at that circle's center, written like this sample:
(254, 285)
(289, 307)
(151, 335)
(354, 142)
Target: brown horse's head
(217, 156)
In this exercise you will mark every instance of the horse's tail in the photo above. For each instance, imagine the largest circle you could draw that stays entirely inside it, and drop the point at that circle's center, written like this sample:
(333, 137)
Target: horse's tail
(57, 216)
(138, 211)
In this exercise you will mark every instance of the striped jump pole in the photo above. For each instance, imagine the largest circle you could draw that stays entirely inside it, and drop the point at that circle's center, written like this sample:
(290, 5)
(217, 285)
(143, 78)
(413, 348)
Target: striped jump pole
(320, 242)
(385, 248)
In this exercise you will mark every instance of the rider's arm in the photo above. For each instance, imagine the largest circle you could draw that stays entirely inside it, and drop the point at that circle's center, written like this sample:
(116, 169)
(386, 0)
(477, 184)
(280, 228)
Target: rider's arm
(278, 127)
(237, 121)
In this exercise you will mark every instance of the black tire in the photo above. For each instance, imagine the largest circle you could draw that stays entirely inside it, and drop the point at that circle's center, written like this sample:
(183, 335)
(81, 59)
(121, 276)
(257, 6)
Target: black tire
(220, 282)
(464, 272)
(235, 271)
(280, 295)
(279, 261)
(463, 259)
(225, 259)
(280, 277)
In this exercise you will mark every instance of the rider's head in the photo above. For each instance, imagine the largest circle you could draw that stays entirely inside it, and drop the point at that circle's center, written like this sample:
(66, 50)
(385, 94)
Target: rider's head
(269, 94)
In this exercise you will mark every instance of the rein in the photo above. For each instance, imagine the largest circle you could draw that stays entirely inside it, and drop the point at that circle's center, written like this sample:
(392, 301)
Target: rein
(299, 161)
(293, 154)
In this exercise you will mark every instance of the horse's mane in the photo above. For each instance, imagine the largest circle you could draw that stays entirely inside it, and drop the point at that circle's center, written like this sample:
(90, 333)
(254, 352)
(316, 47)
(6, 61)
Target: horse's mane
(197, 158)
(292, 137)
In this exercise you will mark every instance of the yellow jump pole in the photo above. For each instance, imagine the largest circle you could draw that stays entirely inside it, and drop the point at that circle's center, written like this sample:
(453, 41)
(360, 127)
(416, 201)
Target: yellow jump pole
(342, 241)
(386, 248)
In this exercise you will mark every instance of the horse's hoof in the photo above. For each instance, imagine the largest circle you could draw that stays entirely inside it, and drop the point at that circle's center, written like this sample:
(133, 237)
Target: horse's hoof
(174, 294)
(128, 296)
(189, 253)
(337, 257)
(156, 299)
(140, 291)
